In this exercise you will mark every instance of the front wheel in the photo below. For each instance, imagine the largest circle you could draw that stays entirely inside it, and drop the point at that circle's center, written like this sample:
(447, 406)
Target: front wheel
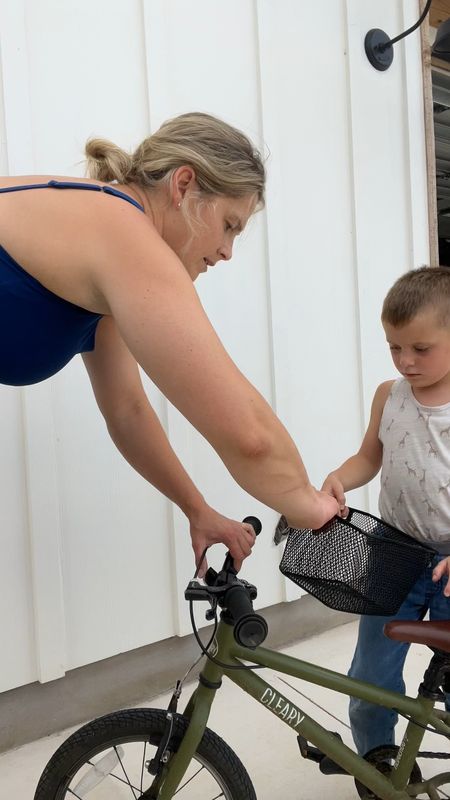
(107, 758)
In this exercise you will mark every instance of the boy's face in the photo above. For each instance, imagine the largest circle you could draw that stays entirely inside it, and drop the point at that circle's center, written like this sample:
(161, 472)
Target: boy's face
(421, 349)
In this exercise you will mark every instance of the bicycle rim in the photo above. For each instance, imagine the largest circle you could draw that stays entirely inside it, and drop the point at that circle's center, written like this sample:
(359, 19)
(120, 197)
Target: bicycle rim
(107, 760)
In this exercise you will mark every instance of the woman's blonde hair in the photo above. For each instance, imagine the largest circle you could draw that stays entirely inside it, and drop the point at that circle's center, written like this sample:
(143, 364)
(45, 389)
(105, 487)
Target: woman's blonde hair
(224, 160)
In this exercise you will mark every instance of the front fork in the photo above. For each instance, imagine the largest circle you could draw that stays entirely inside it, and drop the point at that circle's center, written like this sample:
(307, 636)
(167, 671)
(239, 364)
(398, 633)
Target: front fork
(197, 710)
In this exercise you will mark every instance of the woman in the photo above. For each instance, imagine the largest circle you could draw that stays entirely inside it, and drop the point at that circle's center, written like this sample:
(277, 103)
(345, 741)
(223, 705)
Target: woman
(106, 267)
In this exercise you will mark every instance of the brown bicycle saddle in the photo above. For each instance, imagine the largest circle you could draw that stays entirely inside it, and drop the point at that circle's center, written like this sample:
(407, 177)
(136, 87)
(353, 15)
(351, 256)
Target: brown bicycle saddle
(434, 634)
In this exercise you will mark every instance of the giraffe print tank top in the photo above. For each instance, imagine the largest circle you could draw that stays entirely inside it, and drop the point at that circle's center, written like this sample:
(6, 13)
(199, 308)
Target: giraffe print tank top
(415, 472)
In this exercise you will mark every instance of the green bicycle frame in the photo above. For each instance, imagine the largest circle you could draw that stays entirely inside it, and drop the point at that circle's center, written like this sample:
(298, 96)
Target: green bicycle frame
(225, 650)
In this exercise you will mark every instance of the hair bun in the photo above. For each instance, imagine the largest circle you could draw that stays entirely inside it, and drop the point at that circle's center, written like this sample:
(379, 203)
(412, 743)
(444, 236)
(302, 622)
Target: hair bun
(106, 161)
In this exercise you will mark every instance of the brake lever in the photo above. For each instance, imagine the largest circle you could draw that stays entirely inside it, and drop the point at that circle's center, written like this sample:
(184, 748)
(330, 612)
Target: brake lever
(195, 591)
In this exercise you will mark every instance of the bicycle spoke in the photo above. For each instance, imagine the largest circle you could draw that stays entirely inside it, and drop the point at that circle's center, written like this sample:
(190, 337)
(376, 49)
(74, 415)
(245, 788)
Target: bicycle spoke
(143, 766)
(118, 750)
(127, 782)
(183, 786)
(138, 791)
(126, 776)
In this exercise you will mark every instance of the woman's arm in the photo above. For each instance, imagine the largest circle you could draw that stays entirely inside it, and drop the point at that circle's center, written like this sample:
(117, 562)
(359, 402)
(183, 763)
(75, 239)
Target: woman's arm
(139, 436)
(162, 322)
(365, 464)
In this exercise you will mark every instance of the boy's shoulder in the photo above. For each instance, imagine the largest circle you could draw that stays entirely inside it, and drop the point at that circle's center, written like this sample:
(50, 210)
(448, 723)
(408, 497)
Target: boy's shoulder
(381, 396)
(394, 390)
(384, 389)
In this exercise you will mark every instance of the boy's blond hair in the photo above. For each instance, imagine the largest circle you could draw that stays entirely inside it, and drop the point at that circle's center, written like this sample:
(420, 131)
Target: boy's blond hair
(415, 291)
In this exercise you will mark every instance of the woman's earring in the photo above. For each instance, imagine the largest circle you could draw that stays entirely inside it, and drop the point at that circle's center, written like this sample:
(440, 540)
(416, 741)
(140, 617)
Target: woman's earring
(178, 205)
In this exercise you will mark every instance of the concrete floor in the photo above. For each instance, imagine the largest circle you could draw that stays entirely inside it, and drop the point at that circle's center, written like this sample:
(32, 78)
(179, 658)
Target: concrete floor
(267, 747)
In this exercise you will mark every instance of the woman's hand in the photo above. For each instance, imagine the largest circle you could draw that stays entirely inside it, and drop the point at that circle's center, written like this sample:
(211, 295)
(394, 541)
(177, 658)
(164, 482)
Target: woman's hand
(209, 527)
(316, 512)
(328, 507)
(333, 486)
(311, 509)
(441, 569)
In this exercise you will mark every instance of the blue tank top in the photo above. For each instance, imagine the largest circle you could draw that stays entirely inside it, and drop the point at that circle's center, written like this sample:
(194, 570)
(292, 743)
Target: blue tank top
(39, 331)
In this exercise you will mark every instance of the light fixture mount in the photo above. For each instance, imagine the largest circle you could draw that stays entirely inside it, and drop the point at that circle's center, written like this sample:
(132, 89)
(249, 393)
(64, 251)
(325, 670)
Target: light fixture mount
(379, 47)
(379, 50)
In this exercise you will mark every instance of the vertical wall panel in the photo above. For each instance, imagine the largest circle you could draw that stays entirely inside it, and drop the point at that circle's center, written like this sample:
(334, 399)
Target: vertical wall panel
(114, 526)
(3, 140)
(414, 121)
(116, 549)
(312, 265)
(43, 492)
(42, 561)
(18, 663)
(190, 68)
(16, 86)
(383, 131)
(18, 659)
(87, 77)
(305, 113)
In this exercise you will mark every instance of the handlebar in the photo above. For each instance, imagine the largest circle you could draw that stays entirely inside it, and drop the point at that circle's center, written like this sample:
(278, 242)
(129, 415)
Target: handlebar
(234, 595)
(250, 629)
(255, 523)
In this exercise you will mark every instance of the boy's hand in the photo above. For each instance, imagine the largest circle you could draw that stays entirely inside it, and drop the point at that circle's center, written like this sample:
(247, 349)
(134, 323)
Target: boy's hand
(332, 485)
(441, 569)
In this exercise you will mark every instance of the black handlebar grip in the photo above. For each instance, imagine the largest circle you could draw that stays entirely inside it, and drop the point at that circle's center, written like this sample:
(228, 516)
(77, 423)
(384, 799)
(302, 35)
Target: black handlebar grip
(250, 629)
(255, 523)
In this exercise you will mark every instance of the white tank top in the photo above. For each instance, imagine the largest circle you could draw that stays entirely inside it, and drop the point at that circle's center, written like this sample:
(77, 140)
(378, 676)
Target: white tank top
(415, 472)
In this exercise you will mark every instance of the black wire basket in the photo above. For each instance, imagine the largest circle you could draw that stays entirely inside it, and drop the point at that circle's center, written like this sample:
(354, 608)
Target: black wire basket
(359, 564)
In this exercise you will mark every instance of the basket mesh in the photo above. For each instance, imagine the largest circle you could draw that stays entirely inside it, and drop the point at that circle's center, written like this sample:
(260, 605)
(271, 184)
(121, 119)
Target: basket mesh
(359, 564)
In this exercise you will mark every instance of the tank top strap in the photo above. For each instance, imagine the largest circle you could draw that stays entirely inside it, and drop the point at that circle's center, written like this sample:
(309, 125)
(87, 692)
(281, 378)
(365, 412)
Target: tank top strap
(93, 187)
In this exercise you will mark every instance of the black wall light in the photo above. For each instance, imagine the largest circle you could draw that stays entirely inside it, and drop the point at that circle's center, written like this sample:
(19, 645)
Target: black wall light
(378, 45)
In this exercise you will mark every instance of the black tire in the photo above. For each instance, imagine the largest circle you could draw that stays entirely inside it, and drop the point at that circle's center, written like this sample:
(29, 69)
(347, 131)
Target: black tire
(144, 727)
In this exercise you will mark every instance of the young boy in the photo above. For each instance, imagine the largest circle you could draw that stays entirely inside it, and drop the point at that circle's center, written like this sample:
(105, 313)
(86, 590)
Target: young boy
(409, 438)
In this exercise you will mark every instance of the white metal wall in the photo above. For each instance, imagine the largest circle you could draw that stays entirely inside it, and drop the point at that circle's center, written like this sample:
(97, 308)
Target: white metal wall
(94, 562)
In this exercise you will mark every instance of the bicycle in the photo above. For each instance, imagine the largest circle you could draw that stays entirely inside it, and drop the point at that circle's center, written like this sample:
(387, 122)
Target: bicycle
(154, 753)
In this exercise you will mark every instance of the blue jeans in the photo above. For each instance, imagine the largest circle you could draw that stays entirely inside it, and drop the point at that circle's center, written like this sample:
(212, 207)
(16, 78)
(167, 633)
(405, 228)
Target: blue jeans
(380, 660)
